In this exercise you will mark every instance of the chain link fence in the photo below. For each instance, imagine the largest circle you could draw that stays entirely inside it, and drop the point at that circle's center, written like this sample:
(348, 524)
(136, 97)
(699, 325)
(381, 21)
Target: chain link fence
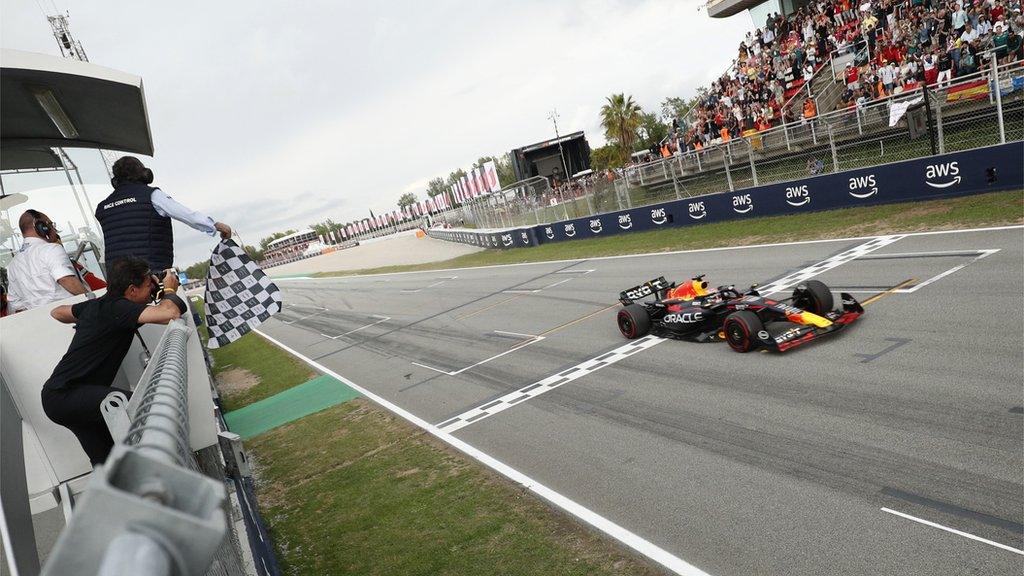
(968, 113)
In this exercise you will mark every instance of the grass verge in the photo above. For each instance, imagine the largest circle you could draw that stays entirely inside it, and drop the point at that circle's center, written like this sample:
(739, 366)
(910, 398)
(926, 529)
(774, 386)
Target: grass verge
(355, 490)
(998, 208)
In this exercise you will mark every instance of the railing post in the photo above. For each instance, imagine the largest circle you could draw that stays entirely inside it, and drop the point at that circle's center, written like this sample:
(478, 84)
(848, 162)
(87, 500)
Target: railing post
(785, 133)
(728, 175)
(999, 99)
(696, 154)
(832, 145)
(814, 135)
(938, 128)
(750, 155)
(860, 129)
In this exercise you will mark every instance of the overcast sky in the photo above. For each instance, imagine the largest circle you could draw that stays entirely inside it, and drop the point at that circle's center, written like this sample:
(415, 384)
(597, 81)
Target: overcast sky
(274, 115)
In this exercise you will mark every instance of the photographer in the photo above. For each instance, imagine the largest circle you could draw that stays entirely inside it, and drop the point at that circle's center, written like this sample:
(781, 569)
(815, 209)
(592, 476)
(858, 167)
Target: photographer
(104, 329)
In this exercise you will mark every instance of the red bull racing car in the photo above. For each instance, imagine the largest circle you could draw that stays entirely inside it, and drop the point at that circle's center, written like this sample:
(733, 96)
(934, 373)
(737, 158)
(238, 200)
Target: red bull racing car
(746, 320)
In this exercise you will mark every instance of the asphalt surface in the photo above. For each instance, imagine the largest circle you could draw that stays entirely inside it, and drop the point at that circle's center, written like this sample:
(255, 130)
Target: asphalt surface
(739, 464)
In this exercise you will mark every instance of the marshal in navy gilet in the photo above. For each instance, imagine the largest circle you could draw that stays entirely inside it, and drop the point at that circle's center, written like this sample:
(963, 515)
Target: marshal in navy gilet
(132, 227)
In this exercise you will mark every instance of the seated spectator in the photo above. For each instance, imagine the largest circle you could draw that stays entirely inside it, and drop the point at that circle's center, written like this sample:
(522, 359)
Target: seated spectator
(41, 271)
(104, 329)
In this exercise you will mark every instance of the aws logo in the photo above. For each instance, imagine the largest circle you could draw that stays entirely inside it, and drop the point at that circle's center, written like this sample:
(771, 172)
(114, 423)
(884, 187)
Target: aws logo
(570, 230)
(863, 186)
(798, 195)
(742, 203)
(625, 222)
(697, 210)
(658, 216)
(525, 237)
(506, 240)
(595, 226)
(549, 232)
(942, 171)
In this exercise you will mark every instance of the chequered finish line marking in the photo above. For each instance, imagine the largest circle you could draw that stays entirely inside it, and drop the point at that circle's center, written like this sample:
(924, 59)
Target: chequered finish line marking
(578, 371)
(550, 383)
(799, 276)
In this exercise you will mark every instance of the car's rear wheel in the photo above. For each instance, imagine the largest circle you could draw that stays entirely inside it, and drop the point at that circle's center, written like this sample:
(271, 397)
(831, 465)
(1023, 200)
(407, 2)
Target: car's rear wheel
(813, 296)
(633, 321)
(741, 330)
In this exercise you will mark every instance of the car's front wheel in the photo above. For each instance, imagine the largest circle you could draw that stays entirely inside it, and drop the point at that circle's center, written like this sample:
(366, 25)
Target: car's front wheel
(741, 330)
(813, 296)
(633, 321)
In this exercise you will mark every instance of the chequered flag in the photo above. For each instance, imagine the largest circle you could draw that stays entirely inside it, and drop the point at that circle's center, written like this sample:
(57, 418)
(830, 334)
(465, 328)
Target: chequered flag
(239, 296)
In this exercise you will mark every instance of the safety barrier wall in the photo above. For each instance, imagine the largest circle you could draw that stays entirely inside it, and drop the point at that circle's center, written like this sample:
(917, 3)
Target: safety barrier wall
(976, 171)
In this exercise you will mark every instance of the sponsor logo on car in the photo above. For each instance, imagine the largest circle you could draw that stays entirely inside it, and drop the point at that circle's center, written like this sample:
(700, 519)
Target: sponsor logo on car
(658, 216)
(625, 222)
(638, 292)
(764, 335)
(945, 170)
(595, 226)
(742, 203)
(797, 195)
(863, 186)
(570, 230)
(697, 210)
(683, 317)
(787, 335)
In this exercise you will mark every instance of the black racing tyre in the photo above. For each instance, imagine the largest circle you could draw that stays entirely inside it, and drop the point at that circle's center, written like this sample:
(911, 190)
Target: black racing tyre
(815, 297)
(741, 330)
(633, 321)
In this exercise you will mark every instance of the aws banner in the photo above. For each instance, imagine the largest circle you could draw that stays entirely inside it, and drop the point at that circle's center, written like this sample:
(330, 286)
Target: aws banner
(976, 171)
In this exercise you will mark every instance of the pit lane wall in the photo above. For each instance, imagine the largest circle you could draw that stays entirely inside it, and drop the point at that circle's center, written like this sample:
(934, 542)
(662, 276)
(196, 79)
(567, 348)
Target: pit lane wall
(989, 169)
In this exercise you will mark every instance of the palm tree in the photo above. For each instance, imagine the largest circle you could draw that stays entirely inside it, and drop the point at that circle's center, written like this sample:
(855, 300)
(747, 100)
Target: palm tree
(620, 118)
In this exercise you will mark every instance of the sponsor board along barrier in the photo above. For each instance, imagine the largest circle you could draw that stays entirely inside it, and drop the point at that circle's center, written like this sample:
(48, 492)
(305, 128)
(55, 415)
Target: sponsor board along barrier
(989, 169)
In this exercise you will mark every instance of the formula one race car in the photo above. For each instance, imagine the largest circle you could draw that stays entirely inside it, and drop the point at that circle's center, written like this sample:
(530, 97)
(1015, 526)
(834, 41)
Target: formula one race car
(745, 320)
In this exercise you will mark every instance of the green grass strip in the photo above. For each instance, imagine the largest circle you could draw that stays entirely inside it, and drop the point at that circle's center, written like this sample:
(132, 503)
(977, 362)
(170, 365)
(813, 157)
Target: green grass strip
(997, 208)
(356, 490)
(288, 406)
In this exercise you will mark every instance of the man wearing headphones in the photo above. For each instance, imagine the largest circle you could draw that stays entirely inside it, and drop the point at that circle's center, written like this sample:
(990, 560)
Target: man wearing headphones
(40, 272)
(104, 329)
(136, 217)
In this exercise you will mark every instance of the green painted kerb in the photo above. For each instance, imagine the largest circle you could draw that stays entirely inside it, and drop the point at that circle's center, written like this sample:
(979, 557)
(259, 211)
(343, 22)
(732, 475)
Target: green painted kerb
(288, 406)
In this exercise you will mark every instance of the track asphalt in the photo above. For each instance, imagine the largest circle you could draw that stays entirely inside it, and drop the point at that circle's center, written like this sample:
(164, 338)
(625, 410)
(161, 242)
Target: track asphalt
(895, 447)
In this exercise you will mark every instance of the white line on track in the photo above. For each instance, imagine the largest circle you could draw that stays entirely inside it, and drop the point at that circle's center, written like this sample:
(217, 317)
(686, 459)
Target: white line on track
(533, 339)
(980, 254)
(651, 254)
(953, 531)
(382, 319)
(600, 523)
(438, 283)
(304, 317)
(495, 406)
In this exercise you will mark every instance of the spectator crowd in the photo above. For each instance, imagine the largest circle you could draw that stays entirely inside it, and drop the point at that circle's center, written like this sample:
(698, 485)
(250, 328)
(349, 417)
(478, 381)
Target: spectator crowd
(896, 46)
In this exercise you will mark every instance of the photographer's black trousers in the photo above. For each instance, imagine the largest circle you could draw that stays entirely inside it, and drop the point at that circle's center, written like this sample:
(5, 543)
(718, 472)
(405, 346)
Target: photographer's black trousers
(77, 408)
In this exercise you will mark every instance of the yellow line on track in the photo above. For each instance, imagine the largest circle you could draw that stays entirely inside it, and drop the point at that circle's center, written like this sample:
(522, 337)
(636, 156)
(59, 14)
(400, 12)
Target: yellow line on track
(486, 308)
(580, 319)
(880, 295)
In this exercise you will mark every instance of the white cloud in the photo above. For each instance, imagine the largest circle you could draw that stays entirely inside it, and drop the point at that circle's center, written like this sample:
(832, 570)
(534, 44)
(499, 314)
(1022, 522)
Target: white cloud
(274, 115)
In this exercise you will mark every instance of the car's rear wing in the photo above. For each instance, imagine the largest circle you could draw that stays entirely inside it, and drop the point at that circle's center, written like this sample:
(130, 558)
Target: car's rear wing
(650, 288)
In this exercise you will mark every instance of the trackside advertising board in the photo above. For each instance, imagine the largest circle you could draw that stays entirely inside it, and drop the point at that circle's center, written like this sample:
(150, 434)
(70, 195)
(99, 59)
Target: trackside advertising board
(977, 171)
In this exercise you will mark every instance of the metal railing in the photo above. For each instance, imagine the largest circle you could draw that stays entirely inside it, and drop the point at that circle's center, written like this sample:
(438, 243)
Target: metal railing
(147, 510)
(964, 114)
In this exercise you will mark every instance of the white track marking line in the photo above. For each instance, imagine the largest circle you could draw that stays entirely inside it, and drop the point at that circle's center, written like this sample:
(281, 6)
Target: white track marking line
(515, 334)
(440, 281)
(650, 254)
(505, 402)
(533, 339)
(520, 291)
(304, 317)
(580, 272)
(799, 276)
(954, 531)
(571, 507)
(556, 284)
(937, 277)
(382, 319)
(509, 400)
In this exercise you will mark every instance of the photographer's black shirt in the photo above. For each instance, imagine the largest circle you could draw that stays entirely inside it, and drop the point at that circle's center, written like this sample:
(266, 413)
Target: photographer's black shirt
(103, 335)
